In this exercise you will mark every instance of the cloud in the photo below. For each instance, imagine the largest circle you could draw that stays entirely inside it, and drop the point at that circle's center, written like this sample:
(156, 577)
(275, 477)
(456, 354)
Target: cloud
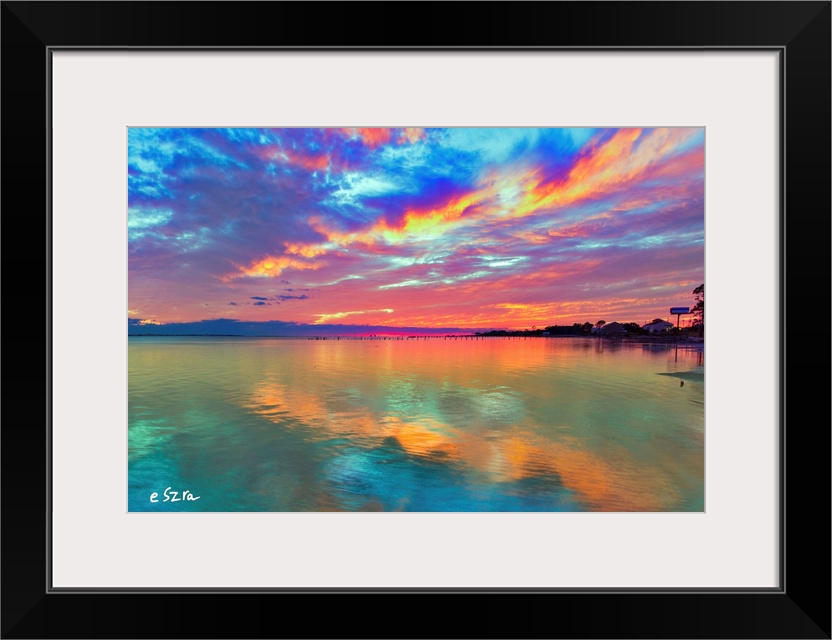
(439, 224)
(370, 136)
(323, 318)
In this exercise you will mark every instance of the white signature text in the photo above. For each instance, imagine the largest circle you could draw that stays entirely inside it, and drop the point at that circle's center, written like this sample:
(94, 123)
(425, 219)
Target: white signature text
(172, 496)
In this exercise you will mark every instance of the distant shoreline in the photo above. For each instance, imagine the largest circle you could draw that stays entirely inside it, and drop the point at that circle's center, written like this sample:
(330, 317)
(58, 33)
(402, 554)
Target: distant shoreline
(630, 339)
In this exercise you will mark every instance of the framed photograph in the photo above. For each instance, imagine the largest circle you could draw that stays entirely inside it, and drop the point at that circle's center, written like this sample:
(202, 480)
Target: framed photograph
(397, 319)
(417, 317)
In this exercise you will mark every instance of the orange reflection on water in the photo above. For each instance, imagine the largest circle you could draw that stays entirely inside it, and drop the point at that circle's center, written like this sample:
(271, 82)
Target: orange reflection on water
(605, 485)
(602, 484)
(278, 402)
(425, 437)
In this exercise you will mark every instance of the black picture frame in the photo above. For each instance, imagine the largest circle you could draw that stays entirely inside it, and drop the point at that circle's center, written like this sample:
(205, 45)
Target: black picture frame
(799, 608)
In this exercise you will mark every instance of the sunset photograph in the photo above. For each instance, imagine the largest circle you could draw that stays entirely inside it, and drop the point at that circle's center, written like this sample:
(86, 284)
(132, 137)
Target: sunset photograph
(416, 319)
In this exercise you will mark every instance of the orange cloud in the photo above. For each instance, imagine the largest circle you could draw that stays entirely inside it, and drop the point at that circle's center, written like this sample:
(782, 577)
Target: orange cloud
(420, 221)
(411, 135)
(426, 222)
(605, 167)
(305, 250)
(374, 137)
(342, 238)
(271, 266)
(309, 162)
(370, 136)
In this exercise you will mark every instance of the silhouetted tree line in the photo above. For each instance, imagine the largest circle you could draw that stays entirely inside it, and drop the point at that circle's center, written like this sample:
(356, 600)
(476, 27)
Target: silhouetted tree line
(577, 329)
(699, 309)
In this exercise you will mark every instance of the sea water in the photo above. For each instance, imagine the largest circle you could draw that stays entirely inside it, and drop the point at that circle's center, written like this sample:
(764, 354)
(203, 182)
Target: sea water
(414, 424)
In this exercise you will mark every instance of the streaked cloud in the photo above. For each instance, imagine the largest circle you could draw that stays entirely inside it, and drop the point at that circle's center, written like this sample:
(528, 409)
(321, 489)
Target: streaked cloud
(450, 227)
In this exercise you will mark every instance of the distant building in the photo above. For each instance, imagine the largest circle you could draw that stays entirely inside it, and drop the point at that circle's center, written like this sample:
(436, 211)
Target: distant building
(612, 328)
(659, 326)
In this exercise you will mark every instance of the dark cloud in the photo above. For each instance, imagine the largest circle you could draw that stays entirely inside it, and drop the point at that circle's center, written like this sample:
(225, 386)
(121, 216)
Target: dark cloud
(258, 298)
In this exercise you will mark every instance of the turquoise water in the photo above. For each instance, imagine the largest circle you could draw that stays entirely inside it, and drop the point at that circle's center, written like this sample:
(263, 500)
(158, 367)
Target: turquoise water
(496, 424)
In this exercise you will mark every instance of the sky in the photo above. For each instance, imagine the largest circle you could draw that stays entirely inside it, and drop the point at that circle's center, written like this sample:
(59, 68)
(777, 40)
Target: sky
(344, 229)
